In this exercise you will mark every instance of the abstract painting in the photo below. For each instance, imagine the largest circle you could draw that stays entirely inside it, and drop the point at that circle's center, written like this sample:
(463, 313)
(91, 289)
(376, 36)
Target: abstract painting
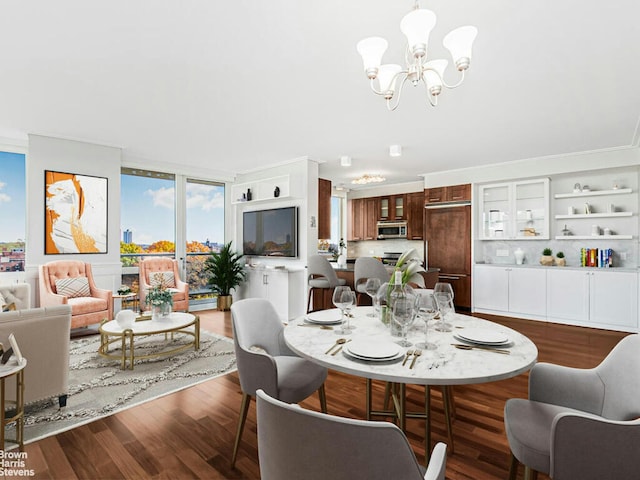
(75, 213)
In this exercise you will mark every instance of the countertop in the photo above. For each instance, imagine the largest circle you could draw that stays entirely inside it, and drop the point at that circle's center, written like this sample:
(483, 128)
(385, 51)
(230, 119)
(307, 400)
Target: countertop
(349, 267)
(554, 267)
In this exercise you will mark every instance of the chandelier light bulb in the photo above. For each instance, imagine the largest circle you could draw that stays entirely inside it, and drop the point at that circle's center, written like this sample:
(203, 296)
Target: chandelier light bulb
(434, 75)
(416, 26)
(459, 42)
(366, 178)
(387, 75)
(371, 49)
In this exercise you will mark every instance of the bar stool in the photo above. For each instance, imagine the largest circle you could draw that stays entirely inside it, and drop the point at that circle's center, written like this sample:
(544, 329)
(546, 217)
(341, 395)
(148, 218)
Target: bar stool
(321, 275)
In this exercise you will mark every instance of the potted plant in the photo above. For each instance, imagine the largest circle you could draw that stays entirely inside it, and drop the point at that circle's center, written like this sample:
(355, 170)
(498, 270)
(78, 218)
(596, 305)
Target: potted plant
(560, 260)
(160, 299)
(226, 272)
(547, 257)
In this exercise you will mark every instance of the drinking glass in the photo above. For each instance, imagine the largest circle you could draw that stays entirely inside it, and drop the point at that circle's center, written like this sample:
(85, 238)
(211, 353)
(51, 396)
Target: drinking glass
(347, 311)
(425, 310)
(371, 287)
(443, 287)
(342, 298)
(403, 316)
(444, 301)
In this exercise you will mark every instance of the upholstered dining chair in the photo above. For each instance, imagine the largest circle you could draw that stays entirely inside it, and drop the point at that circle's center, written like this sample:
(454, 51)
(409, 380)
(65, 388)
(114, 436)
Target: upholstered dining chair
(295, 443)
(149, 268)
(265, 362)
(365, 268)
(71, 282)
(579, 423)
(320, 274)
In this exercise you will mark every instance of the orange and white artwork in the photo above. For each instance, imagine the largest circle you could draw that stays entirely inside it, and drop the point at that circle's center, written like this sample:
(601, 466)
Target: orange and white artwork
(75, 213)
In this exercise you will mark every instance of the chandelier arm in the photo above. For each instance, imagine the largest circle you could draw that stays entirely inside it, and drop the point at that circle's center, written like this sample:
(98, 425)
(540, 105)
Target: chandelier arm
(404, 80)
(373, 88)
(433, 99)
(457, 84)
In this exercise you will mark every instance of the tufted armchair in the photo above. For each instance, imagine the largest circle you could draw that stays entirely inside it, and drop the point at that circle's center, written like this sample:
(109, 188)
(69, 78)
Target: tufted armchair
(150, 265)
(89, 305)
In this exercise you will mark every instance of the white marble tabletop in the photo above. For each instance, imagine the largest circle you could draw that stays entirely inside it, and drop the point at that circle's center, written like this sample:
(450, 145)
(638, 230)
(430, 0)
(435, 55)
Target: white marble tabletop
(175, 321)
(446, 365)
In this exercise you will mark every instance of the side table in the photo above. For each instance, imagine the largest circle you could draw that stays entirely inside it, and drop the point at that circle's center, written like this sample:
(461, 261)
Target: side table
(12, 368)
(132, 297)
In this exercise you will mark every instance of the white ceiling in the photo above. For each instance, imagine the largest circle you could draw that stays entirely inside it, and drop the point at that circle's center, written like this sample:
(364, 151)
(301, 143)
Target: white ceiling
(237, 85)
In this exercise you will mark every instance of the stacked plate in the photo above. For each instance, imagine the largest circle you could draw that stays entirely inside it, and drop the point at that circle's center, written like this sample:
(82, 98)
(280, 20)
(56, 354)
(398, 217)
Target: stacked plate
(325, 317)
(483, 336)
(373, 351)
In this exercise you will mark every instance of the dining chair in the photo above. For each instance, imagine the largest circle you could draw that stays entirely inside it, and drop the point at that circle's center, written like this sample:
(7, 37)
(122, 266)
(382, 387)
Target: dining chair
(579, 423)
(296, 443)
(321, 275)
(365, 268)
(265, 362)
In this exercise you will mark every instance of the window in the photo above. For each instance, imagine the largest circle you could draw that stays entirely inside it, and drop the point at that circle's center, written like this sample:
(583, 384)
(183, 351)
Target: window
(12, 211)
(336, 220)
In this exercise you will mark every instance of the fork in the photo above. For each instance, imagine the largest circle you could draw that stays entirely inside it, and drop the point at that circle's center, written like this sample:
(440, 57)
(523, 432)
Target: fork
(416, 354)
(406, 357)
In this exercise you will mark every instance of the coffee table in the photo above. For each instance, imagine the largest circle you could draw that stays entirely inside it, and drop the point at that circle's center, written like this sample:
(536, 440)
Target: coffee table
(176, 322)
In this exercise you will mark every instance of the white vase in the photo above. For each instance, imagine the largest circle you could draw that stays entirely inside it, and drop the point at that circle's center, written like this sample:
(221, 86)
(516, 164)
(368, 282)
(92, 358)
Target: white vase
(519, 254)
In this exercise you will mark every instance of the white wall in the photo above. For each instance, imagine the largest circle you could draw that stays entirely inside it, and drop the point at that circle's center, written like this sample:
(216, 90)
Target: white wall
(46, 153)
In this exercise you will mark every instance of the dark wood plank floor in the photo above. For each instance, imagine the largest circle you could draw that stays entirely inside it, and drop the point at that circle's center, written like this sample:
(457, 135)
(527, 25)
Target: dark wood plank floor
(189, 434)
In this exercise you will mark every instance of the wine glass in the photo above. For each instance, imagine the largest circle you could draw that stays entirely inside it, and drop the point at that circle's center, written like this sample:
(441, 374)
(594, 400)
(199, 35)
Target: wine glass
(347, 311)
(342, 298)
(403, 316)
(443, 287)
(444, 302)
(425, 309)
(371, 287)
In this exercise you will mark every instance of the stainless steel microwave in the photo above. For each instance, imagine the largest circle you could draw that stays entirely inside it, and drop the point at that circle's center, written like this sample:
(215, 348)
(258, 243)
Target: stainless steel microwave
(392, 230)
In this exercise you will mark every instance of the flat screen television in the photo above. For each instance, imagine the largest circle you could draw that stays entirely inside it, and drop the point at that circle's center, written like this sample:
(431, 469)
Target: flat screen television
(270, 233)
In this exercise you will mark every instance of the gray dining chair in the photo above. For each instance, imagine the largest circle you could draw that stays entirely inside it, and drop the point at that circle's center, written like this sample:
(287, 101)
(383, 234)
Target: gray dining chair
(365, 268)
(320, 274)
(295, 443)
(265, 362)
(579, 423)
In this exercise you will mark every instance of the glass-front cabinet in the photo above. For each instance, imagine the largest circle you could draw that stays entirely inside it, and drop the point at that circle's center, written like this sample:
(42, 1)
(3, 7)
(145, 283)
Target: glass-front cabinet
(514, 210)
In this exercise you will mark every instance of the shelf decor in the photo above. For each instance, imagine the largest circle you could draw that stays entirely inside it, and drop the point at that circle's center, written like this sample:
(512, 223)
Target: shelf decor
(75, 213)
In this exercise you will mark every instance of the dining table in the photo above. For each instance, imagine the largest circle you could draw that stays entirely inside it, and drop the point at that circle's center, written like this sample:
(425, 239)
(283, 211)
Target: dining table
(456, 360)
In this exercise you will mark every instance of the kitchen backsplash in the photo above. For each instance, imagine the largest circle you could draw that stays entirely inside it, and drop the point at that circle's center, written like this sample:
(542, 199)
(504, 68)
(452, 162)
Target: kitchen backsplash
(376, 248)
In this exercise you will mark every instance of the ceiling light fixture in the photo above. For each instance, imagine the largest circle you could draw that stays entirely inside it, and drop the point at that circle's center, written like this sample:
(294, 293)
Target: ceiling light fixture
(416, 26)
(364, 179)
(395, 150)
(345, 161)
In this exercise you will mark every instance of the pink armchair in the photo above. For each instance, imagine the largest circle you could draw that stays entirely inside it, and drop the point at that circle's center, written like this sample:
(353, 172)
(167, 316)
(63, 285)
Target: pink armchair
(150, 265)
(88, 305)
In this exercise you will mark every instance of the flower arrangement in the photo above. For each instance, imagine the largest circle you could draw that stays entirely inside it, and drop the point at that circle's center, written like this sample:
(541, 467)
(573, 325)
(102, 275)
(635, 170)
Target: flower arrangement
(410, 264)
(124, 290)
(158, 294)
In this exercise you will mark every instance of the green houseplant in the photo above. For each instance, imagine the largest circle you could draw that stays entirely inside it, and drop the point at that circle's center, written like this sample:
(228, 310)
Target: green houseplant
(547, 257)
(226, 272)
(560, 260)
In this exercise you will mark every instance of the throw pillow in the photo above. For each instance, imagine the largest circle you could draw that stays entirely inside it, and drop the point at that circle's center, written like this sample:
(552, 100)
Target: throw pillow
(162, 279)
(9, 308)
(73, 287)
(2, 299)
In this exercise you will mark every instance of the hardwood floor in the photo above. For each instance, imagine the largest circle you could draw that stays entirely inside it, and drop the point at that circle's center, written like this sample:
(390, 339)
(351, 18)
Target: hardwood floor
(189, 434)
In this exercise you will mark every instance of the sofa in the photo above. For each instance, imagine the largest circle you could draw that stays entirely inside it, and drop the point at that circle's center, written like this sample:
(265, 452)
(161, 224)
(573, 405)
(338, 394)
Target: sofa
(43, 337)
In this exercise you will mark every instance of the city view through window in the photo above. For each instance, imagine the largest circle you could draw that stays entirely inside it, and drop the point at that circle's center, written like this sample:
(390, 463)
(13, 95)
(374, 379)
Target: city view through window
(12, 211)
(149, 229)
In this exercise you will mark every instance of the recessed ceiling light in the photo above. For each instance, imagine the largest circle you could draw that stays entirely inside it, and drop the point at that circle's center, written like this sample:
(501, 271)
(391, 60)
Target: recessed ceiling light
(345, 161)
(395, 150)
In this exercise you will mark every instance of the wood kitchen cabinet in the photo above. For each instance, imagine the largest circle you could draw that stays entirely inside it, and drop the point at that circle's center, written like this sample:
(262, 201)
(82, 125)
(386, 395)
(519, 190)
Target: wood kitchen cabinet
(393, 207)
(451, 193)
(362, 217)
(324, 208)
(415, 216)
(370, 211)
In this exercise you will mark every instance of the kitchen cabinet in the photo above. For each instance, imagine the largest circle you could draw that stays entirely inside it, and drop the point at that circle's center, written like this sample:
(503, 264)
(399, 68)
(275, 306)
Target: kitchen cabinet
(324, 208)
(362, 216)
(596, 298)
(515, 291)
(451, 193)
(392, 207)
(448, 245)
(514, 210)
(415, 216)
(283, 288)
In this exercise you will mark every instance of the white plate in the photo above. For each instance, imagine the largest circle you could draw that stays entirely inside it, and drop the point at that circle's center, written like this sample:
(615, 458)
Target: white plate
(325, 317)
(367, 359)
(373, 350)
(483, 336)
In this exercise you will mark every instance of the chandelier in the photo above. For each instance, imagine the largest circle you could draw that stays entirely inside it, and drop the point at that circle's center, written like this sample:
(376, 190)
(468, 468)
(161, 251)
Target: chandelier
(364, 179)
(416, 26)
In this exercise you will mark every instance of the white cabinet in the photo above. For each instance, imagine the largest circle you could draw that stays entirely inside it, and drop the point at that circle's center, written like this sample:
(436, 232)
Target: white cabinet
(514, 210)
(283, 288)
(517, 291)
(606, 299)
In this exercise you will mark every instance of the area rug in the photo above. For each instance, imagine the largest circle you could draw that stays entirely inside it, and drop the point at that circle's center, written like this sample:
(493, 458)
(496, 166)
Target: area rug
(98, 387)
